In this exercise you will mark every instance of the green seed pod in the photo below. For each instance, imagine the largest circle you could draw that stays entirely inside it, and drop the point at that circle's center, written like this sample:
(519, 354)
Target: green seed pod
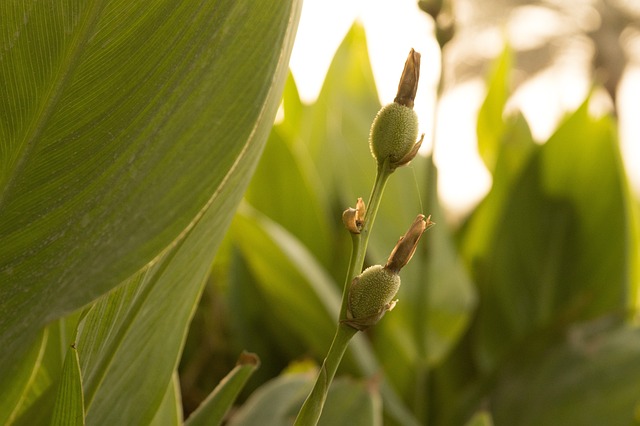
(393, 134)
(371, 296)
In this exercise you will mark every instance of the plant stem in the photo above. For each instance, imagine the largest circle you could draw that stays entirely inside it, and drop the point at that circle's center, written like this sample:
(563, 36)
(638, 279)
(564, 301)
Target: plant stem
(312, 408)
(361, 241)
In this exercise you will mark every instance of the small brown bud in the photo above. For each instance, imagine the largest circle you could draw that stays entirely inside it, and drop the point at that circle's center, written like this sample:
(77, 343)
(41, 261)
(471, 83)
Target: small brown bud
(353, 219)
(408, 86)
(349, 220)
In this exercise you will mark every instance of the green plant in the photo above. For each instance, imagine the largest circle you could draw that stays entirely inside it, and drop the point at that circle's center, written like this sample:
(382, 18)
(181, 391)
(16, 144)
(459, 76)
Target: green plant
(128, 131)
(369, 294)
(127, 135)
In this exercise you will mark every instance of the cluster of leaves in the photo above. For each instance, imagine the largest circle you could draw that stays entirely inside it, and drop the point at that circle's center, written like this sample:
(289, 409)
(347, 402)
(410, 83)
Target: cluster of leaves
(539, 331)
(111, 184)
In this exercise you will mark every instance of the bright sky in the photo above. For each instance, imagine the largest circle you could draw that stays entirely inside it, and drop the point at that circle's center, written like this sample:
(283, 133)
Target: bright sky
(393, 27)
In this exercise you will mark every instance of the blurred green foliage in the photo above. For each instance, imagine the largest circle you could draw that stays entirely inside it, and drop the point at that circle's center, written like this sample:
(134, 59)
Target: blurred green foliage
(525, 314)
(526, 310)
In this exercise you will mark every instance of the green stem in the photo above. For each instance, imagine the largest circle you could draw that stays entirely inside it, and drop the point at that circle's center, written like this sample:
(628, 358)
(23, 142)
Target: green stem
(312, 408)
(361, 241)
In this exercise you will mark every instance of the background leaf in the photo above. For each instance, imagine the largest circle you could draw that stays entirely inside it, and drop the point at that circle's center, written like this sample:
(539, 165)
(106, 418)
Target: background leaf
(295, 287)
(490, 127)
(123, 122)
(542, 267)
(591, 378)
(278, 402)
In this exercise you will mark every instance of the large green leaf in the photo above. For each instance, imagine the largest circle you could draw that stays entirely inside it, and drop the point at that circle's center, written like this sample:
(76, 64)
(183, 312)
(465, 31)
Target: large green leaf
(121, 123)
(133, 338)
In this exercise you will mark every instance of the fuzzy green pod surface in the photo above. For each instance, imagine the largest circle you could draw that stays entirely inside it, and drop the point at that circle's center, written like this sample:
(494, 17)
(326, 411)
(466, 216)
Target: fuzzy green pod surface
(371, 295)
(393, 133)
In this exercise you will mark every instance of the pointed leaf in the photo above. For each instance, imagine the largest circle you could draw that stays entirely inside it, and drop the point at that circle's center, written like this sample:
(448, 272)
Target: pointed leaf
(69, 406)
(338, 132)
(513, 156)
(214, 408)
(491, 126)
(170, 411)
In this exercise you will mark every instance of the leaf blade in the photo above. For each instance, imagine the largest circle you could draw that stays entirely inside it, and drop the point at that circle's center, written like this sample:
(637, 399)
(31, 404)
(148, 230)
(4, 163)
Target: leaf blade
(123, 165)
(69, 405)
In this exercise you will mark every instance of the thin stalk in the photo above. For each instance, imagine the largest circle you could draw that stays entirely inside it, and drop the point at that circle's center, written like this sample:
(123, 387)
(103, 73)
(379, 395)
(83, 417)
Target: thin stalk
(312, 408)
(361, 241)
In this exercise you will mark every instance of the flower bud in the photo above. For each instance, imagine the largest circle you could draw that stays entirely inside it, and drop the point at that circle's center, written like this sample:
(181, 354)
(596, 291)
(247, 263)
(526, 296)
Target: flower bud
(371, 293)
(393, 133)
(395, 129)
(371, 296)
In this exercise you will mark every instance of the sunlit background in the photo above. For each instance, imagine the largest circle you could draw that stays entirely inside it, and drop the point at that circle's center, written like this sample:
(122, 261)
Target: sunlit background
(556, 45)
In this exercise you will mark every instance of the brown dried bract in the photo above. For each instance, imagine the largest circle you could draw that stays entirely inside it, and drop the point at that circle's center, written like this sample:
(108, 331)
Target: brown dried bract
(406, 246)
(353, 219)
(410, 155)
(408, 86)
